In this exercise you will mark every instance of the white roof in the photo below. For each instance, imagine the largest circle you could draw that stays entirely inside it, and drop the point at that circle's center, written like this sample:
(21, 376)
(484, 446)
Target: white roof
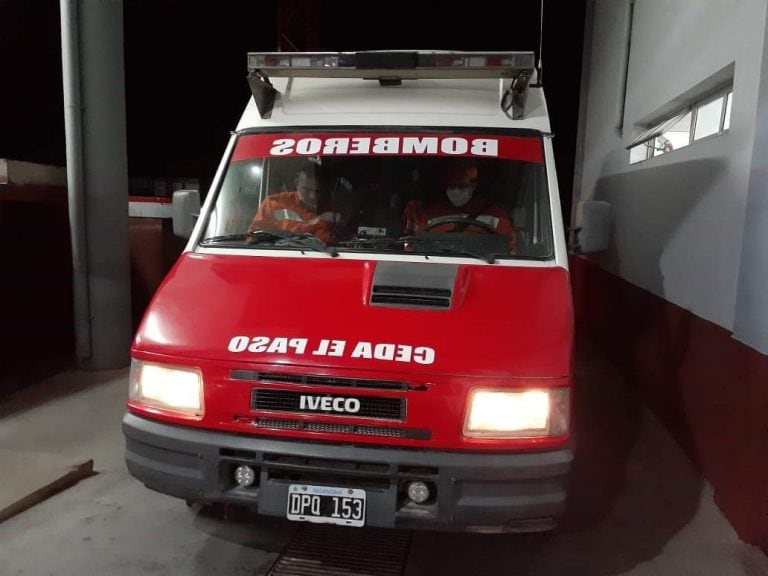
(473, 103)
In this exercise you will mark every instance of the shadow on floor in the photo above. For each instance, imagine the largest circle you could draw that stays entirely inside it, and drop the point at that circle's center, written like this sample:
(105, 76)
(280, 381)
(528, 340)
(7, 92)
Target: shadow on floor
(632, 491)
(244, 527)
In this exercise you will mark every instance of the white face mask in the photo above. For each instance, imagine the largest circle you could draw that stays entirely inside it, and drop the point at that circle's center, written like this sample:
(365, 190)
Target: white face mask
(459, 195)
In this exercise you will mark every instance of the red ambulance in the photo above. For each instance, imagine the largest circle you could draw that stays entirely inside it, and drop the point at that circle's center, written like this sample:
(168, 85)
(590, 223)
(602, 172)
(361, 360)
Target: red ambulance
(371, 323)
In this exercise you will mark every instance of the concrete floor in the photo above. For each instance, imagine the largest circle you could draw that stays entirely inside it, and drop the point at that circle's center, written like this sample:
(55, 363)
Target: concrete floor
(638, 505)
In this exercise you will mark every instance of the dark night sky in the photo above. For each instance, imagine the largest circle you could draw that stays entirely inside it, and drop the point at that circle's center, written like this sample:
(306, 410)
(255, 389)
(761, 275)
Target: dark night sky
(185, 67)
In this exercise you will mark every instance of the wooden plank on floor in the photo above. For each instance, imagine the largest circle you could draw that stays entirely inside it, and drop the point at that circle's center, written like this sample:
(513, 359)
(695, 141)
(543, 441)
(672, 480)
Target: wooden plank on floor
(28, 478)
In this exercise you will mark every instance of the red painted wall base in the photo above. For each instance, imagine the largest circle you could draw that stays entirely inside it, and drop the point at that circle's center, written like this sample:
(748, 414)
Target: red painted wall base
(710, 390)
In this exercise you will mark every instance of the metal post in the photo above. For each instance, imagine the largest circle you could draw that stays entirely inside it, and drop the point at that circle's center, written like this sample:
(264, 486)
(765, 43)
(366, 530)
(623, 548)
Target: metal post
(70, 62)
(97, 177)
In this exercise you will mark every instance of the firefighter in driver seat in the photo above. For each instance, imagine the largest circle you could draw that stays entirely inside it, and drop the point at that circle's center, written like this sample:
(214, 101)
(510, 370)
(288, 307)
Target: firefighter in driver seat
(300, 210)
(461, 209)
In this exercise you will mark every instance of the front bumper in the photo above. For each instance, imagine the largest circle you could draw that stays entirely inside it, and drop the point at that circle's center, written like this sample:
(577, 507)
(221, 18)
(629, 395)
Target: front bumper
(479, 491)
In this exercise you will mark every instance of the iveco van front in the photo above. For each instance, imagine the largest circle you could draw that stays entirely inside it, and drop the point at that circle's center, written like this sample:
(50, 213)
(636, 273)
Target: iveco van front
(372, 322)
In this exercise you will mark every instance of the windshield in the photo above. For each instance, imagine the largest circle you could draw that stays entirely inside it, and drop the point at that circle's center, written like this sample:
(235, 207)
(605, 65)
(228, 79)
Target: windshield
(456, 194)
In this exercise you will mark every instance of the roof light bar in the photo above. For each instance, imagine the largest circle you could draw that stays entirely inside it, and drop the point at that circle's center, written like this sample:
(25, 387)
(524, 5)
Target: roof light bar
(390, 67)
(405, 65)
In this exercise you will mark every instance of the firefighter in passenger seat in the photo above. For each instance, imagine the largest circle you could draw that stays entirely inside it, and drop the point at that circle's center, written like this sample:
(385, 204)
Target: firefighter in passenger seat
(302, 210)
(462, 209)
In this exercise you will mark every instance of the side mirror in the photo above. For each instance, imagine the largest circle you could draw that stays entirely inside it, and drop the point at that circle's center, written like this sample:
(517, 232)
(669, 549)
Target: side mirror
(186, 209)
(592, 235)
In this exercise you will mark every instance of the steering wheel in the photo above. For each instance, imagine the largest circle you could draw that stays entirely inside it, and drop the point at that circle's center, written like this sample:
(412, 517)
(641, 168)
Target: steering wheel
(459, 220)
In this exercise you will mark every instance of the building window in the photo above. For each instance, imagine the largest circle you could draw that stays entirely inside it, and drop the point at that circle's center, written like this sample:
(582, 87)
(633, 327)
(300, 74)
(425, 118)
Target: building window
(706, 117)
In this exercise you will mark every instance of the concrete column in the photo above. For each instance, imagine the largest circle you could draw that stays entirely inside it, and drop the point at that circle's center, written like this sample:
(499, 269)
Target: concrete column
(97, 176)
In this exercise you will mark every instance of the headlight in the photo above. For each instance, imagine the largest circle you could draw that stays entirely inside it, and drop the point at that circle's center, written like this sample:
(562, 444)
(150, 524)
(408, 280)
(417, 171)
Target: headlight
(167, 388)
(519, 413)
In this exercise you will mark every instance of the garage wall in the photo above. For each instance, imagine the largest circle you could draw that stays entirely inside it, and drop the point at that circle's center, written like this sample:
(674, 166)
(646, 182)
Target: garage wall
(751, 324)
(679, 301)
(679, 218)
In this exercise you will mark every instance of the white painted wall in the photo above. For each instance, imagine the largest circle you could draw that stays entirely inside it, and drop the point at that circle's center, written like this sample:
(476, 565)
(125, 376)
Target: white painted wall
(751, 323)
(679, 218)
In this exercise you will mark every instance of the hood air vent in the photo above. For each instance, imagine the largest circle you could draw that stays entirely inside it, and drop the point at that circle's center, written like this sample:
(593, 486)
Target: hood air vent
(409, 285)
(405, 296)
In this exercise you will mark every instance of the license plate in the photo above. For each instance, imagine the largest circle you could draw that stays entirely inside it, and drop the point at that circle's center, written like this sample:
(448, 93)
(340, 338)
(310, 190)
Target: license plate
(326, 505)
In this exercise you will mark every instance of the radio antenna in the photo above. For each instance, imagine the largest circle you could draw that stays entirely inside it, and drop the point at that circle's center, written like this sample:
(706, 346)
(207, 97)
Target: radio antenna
(539, 80)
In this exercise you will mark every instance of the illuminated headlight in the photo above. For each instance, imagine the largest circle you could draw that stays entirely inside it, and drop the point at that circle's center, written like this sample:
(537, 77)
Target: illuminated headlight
(520, 413)
(167, 388)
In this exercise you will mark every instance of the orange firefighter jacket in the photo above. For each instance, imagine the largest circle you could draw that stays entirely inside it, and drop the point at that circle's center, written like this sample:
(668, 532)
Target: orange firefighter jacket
(419, 217)
(284, 211)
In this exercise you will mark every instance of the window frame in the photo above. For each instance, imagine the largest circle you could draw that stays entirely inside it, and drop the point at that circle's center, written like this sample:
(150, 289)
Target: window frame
(647, 137)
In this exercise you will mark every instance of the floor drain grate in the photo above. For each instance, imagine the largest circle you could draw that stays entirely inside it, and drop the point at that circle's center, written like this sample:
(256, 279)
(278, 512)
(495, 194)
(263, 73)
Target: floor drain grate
(341, 551)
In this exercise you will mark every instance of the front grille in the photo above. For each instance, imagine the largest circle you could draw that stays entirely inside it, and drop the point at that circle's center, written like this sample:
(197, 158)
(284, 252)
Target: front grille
(411, 296)
(334, 428)
(309, 380)
(289, 401)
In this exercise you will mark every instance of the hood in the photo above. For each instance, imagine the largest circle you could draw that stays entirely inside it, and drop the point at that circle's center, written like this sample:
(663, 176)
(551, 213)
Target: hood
(497, 321)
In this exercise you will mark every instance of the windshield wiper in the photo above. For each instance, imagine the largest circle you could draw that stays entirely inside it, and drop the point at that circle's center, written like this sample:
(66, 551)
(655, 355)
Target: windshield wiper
(425, 247)
(224, 239)
(379, 243)
(451, 247)
(285, 239)
(278, 238)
